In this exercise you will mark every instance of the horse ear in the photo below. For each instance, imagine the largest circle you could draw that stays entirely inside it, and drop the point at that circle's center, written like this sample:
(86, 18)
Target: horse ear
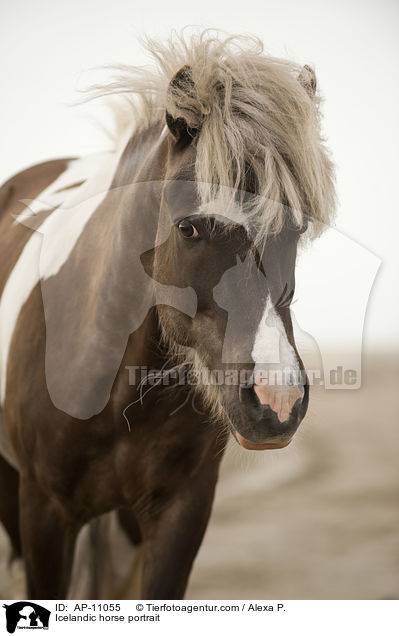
(180, 112)
(307, 78)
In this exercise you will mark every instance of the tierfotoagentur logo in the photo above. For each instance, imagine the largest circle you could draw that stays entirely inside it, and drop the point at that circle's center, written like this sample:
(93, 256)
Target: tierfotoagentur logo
(26, 615)
(144, 376)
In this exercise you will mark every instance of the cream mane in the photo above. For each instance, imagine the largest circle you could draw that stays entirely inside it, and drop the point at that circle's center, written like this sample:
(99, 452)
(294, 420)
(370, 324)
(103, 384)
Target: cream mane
(256, 114)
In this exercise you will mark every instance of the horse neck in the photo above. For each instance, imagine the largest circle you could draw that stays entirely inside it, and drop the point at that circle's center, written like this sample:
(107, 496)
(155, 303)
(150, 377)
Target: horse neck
(128, 222)
(101, 295)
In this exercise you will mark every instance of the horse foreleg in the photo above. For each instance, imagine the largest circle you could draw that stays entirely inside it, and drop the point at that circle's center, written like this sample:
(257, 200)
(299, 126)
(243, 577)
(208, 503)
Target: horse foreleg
(172, 541)
(9, 512)
(48, 540)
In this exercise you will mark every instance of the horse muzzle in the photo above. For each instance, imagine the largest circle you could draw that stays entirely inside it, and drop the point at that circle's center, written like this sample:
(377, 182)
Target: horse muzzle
(269, 415)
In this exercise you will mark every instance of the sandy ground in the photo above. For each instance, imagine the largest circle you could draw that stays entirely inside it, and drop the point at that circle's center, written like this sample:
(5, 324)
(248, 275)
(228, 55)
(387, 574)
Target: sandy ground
(318, 520)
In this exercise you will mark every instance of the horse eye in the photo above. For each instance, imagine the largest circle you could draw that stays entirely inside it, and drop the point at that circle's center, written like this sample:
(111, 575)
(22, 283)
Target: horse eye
(188, 230)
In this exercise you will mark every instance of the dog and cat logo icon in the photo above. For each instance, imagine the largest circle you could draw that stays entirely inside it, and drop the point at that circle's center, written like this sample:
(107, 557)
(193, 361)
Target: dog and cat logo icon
(26, 615)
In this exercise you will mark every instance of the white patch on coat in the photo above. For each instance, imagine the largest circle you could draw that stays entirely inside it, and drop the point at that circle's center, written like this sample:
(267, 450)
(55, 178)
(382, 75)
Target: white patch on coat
(68, 221)
(280, 391)
(271, 344)
(55, 194)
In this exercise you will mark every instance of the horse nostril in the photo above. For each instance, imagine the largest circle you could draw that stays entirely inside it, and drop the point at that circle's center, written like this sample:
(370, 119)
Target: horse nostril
(281, 399)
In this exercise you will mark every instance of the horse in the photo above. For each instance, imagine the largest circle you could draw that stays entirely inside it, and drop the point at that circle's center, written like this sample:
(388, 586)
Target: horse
(145, 306)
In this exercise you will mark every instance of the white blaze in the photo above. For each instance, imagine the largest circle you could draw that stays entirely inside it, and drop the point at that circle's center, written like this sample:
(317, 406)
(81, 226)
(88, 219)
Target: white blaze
(271, 344)
(279, 391)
